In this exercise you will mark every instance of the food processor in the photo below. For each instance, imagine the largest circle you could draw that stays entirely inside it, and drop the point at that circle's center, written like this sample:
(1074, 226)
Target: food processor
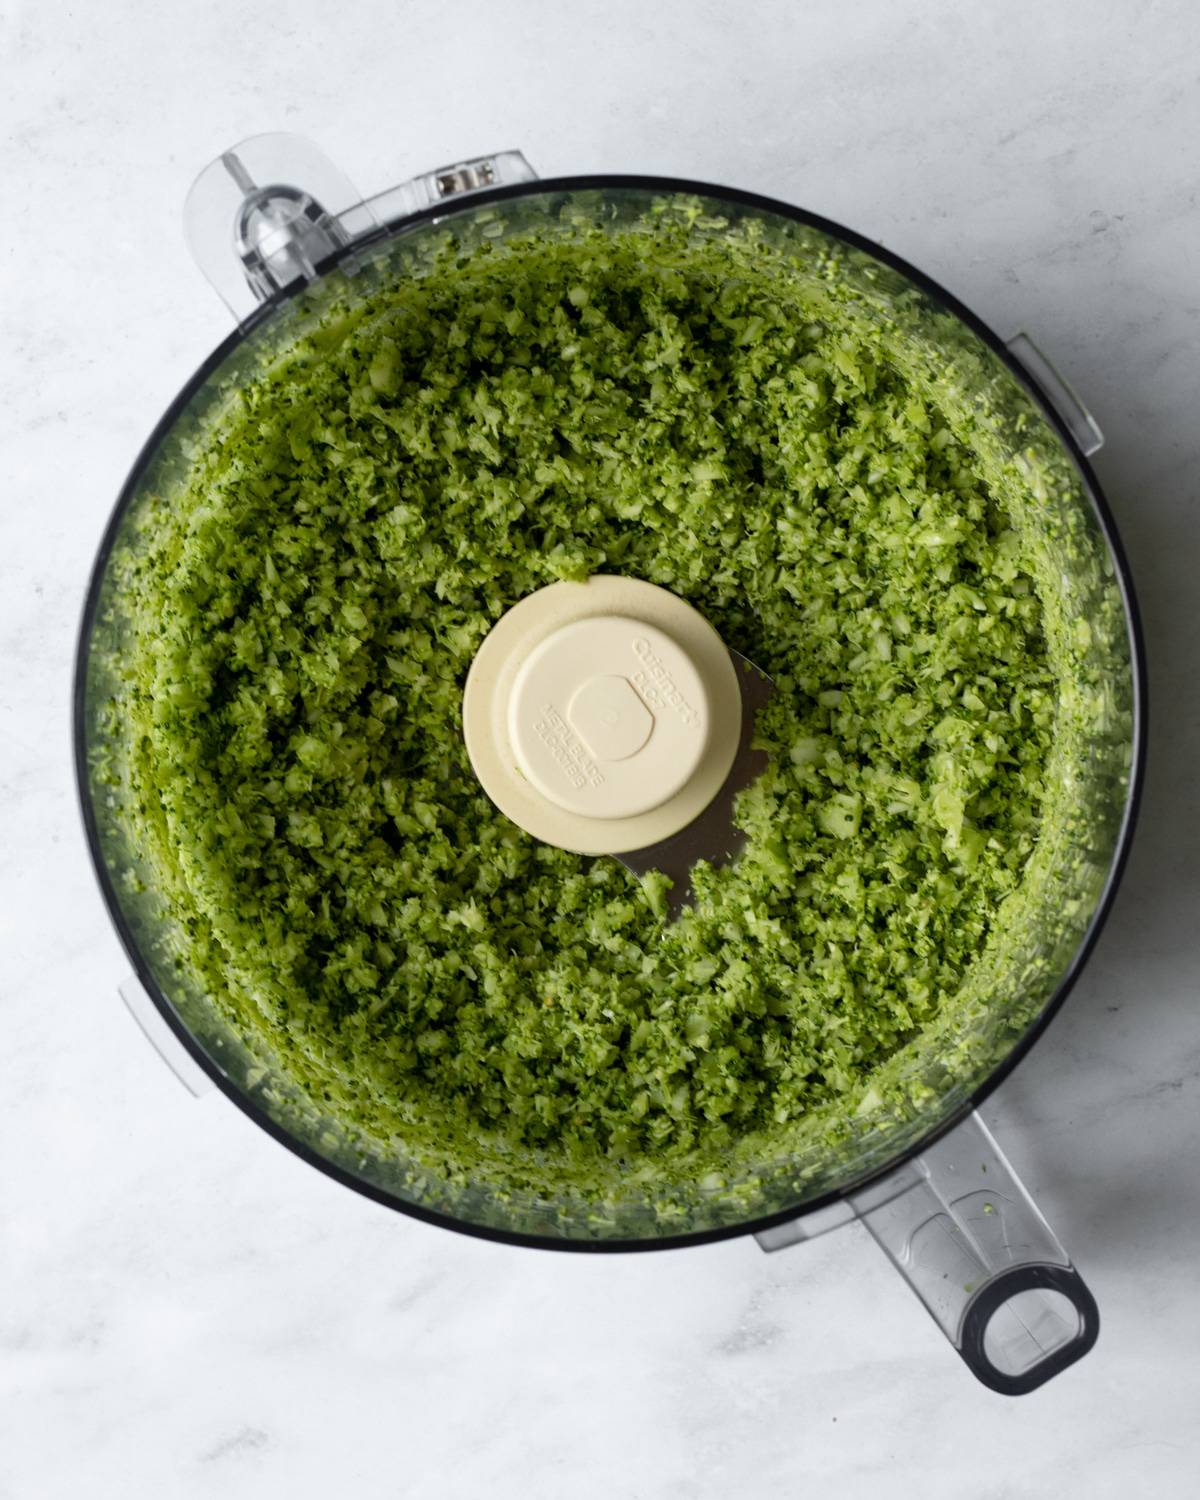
(281, 233)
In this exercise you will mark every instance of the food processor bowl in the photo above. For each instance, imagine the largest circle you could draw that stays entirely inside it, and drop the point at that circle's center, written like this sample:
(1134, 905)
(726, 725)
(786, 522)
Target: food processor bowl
(914, 1164)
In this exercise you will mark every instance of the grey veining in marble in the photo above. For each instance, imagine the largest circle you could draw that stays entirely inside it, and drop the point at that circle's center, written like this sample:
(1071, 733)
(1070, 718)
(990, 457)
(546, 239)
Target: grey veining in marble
(187, 1310)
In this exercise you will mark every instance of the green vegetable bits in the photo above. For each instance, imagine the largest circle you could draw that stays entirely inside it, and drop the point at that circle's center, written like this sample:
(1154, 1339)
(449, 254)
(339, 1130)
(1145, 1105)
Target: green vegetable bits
(302, 614)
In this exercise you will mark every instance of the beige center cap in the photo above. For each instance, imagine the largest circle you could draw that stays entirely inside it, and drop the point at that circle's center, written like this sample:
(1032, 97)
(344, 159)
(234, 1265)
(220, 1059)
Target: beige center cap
(602, 716)
(608, 717)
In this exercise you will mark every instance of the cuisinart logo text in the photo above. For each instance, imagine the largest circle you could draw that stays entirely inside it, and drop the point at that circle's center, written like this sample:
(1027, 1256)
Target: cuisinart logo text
(657, 686)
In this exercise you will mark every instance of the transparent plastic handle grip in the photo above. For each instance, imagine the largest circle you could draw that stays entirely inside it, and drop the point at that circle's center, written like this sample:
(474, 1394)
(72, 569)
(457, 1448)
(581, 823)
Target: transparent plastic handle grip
(974, 1247)
(970, 1241)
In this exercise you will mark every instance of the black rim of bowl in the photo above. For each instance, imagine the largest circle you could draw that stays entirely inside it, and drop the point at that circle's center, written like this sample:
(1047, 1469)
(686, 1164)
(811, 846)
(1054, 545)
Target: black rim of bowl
(747, 200)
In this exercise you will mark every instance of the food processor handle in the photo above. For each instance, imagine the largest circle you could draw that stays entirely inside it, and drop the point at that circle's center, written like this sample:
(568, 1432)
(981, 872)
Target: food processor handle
(970, 1241)
(966, 1236)
(269, 214)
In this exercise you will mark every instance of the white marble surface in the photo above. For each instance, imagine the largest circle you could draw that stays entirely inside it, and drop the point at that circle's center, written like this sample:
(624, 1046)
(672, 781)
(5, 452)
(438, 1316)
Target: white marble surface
(185, 1309)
